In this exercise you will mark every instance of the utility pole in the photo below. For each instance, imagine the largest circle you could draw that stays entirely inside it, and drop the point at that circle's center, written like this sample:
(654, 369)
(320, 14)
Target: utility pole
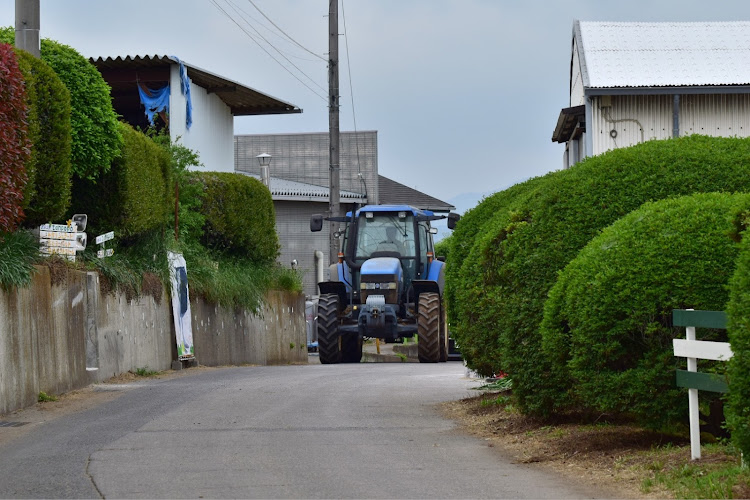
(27, 26)
(333, 125)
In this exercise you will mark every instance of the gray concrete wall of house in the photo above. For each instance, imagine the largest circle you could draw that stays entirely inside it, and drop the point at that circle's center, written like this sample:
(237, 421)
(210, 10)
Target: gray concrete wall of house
(61, 336)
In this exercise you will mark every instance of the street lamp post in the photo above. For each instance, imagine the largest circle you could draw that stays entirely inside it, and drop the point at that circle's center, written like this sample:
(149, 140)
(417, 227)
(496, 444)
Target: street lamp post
(264, 159)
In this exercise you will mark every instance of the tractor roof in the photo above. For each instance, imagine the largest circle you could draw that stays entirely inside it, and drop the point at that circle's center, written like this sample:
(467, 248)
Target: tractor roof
(392, 208)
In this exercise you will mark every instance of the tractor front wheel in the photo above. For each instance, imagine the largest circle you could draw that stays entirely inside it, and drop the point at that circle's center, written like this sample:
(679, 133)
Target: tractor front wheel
(329, 347)
(351, 349)
(428, 328)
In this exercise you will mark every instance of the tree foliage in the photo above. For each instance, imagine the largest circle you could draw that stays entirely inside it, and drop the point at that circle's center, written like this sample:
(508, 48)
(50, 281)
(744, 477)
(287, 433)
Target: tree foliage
(14, 142)
(135, 196)
(47, 195)
(538, 230)
(96, 138)
(240, 218)
(607, 327)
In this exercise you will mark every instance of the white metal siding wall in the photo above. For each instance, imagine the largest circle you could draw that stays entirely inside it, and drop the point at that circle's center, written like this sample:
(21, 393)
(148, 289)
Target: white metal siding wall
(635, 119)
(718, 115)
(212, 133)
(577, 97)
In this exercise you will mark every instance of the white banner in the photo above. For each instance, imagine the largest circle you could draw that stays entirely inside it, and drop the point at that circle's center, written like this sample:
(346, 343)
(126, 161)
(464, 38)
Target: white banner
(181, 306)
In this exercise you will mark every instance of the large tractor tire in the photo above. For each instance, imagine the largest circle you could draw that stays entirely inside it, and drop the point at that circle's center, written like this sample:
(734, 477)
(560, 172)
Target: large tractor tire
(329, 346)
(428, 328)
(351, 349)
(443, 334)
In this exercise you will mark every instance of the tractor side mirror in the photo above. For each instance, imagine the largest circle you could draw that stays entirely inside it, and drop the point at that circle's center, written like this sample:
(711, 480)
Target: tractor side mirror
(452, 219)
(316, 223)
(441, 258)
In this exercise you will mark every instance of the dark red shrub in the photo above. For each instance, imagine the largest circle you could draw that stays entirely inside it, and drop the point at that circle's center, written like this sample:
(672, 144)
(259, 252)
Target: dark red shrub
(14, 146)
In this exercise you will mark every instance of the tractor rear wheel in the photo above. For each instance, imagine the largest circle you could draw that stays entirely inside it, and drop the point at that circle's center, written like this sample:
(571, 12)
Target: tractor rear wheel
(351, 349)
(428, 328)
(329, 347)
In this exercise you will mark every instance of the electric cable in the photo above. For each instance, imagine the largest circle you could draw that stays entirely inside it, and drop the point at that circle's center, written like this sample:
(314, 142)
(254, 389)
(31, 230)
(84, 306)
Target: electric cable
(285, 34)
(215, 3)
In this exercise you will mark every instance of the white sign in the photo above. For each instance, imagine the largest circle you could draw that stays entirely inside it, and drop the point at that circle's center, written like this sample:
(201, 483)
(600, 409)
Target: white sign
(62, 228)
(105, 237)
(105, 253)
(181, 306)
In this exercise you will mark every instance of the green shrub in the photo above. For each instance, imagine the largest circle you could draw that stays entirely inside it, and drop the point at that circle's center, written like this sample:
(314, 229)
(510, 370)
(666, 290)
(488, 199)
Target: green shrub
(520, 261)
(14, 142)
(96, 139)
(135, 195)
(471, 311)
(240, 218)
(608, 321)
(738, 369)
(47, 194)
(19, 251)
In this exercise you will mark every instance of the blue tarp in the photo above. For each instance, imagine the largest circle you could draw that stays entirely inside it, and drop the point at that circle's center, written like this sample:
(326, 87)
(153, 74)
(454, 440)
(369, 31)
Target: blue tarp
(157, 102)
(185, 87)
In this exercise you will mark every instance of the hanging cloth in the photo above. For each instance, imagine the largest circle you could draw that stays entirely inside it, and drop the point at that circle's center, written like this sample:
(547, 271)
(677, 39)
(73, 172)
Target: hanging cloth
(155, 101)
(185, 87)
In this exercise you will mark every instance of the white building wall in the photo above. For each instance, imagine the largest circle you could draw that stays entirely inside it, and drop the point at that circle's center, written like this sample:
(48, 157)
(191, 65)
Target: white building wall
(725, 115)
(211, 134)
(577, 97)
(634, 119)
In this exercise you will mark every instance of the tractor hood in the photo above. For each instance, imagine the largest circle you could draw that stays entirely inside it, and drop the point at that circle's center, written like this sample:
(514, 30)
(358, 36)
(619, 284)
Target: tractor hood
(390, 266)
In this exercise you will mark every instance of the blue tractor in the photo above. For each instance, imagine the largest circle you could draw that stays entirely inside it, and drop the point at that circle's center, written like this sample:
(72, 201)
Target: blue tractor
(387, 284)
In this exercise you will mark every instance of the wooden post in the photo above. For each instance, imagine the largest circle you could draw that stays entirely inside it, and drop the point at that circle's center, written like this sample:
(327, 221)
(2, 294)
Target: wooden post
(695, 425)
(333, 126)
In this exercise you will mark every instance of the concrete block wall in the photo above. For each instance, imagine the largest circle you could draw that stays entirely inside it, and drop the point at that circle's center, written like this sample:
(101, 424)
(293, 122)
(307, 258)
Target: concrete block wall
(58, 338)
(276, 335)
(42, 343)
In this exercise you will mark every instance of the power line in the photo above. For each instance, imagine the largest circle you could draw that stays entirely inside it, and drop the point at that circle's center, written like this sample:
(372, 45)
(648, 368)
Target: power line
(285, 34)
(351, 92)
(215, 3)
(232, 4)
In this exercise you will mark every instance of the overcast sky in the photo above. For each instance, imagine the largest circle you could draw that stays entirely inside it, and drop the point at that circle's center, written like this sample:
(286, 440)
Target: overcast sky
(464, 94)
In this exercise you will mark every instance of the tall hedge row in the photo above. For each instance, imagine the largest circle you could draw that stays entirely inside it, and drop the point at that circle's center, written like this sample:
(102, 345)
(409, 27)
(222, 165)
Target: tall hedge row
(515, 262)
(135, 195)
(47, 195)
(96, 138)
(607, 327)
(240, 218)
(14, 142)
(738, 328)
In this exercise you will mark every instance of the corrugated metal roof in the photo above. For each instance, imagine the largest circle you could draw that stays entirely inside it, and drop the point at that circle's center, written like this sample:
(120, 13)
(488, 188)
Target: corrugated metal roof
(664, 54)
(123, 74)
(282, 189)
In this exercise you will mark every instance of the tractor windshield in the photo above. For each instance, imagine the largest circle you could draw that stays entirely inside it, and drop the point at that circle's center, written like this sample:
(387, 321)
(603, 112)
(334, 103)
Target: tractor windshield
(385, 234)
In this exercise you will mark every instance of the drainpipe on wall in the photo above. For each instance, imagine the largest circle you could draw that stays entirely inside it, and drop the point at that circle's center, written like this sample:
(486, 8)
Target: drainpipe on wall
(676, 115)
(318, 267)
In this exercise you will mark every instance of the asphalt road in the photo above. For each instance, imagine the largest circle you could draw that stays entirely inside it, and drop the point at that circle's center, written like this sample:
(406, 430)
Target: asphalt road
(368, 430)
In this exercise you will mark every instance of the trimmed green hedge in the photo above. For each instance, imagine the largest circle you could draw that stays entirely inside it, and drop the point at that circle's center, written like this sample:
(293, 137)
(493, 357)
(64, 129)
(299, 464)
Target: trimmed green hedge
(14, 142)
(738, 369)
(47, 195)
(135, 195)
(240, 218)
(532, 239)
(470, 308)
(608, 321)
(96, 139)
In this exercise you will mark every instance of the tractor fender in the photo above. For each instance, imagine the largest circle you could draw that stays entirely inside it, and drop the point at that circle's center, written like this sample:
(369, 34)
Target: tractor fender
(436, 272)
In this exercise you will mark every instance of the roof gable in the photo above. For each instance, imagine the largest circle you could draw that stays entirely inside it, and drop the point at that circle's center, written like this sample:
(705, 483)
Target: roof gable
(663, 54)
(395, 193)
